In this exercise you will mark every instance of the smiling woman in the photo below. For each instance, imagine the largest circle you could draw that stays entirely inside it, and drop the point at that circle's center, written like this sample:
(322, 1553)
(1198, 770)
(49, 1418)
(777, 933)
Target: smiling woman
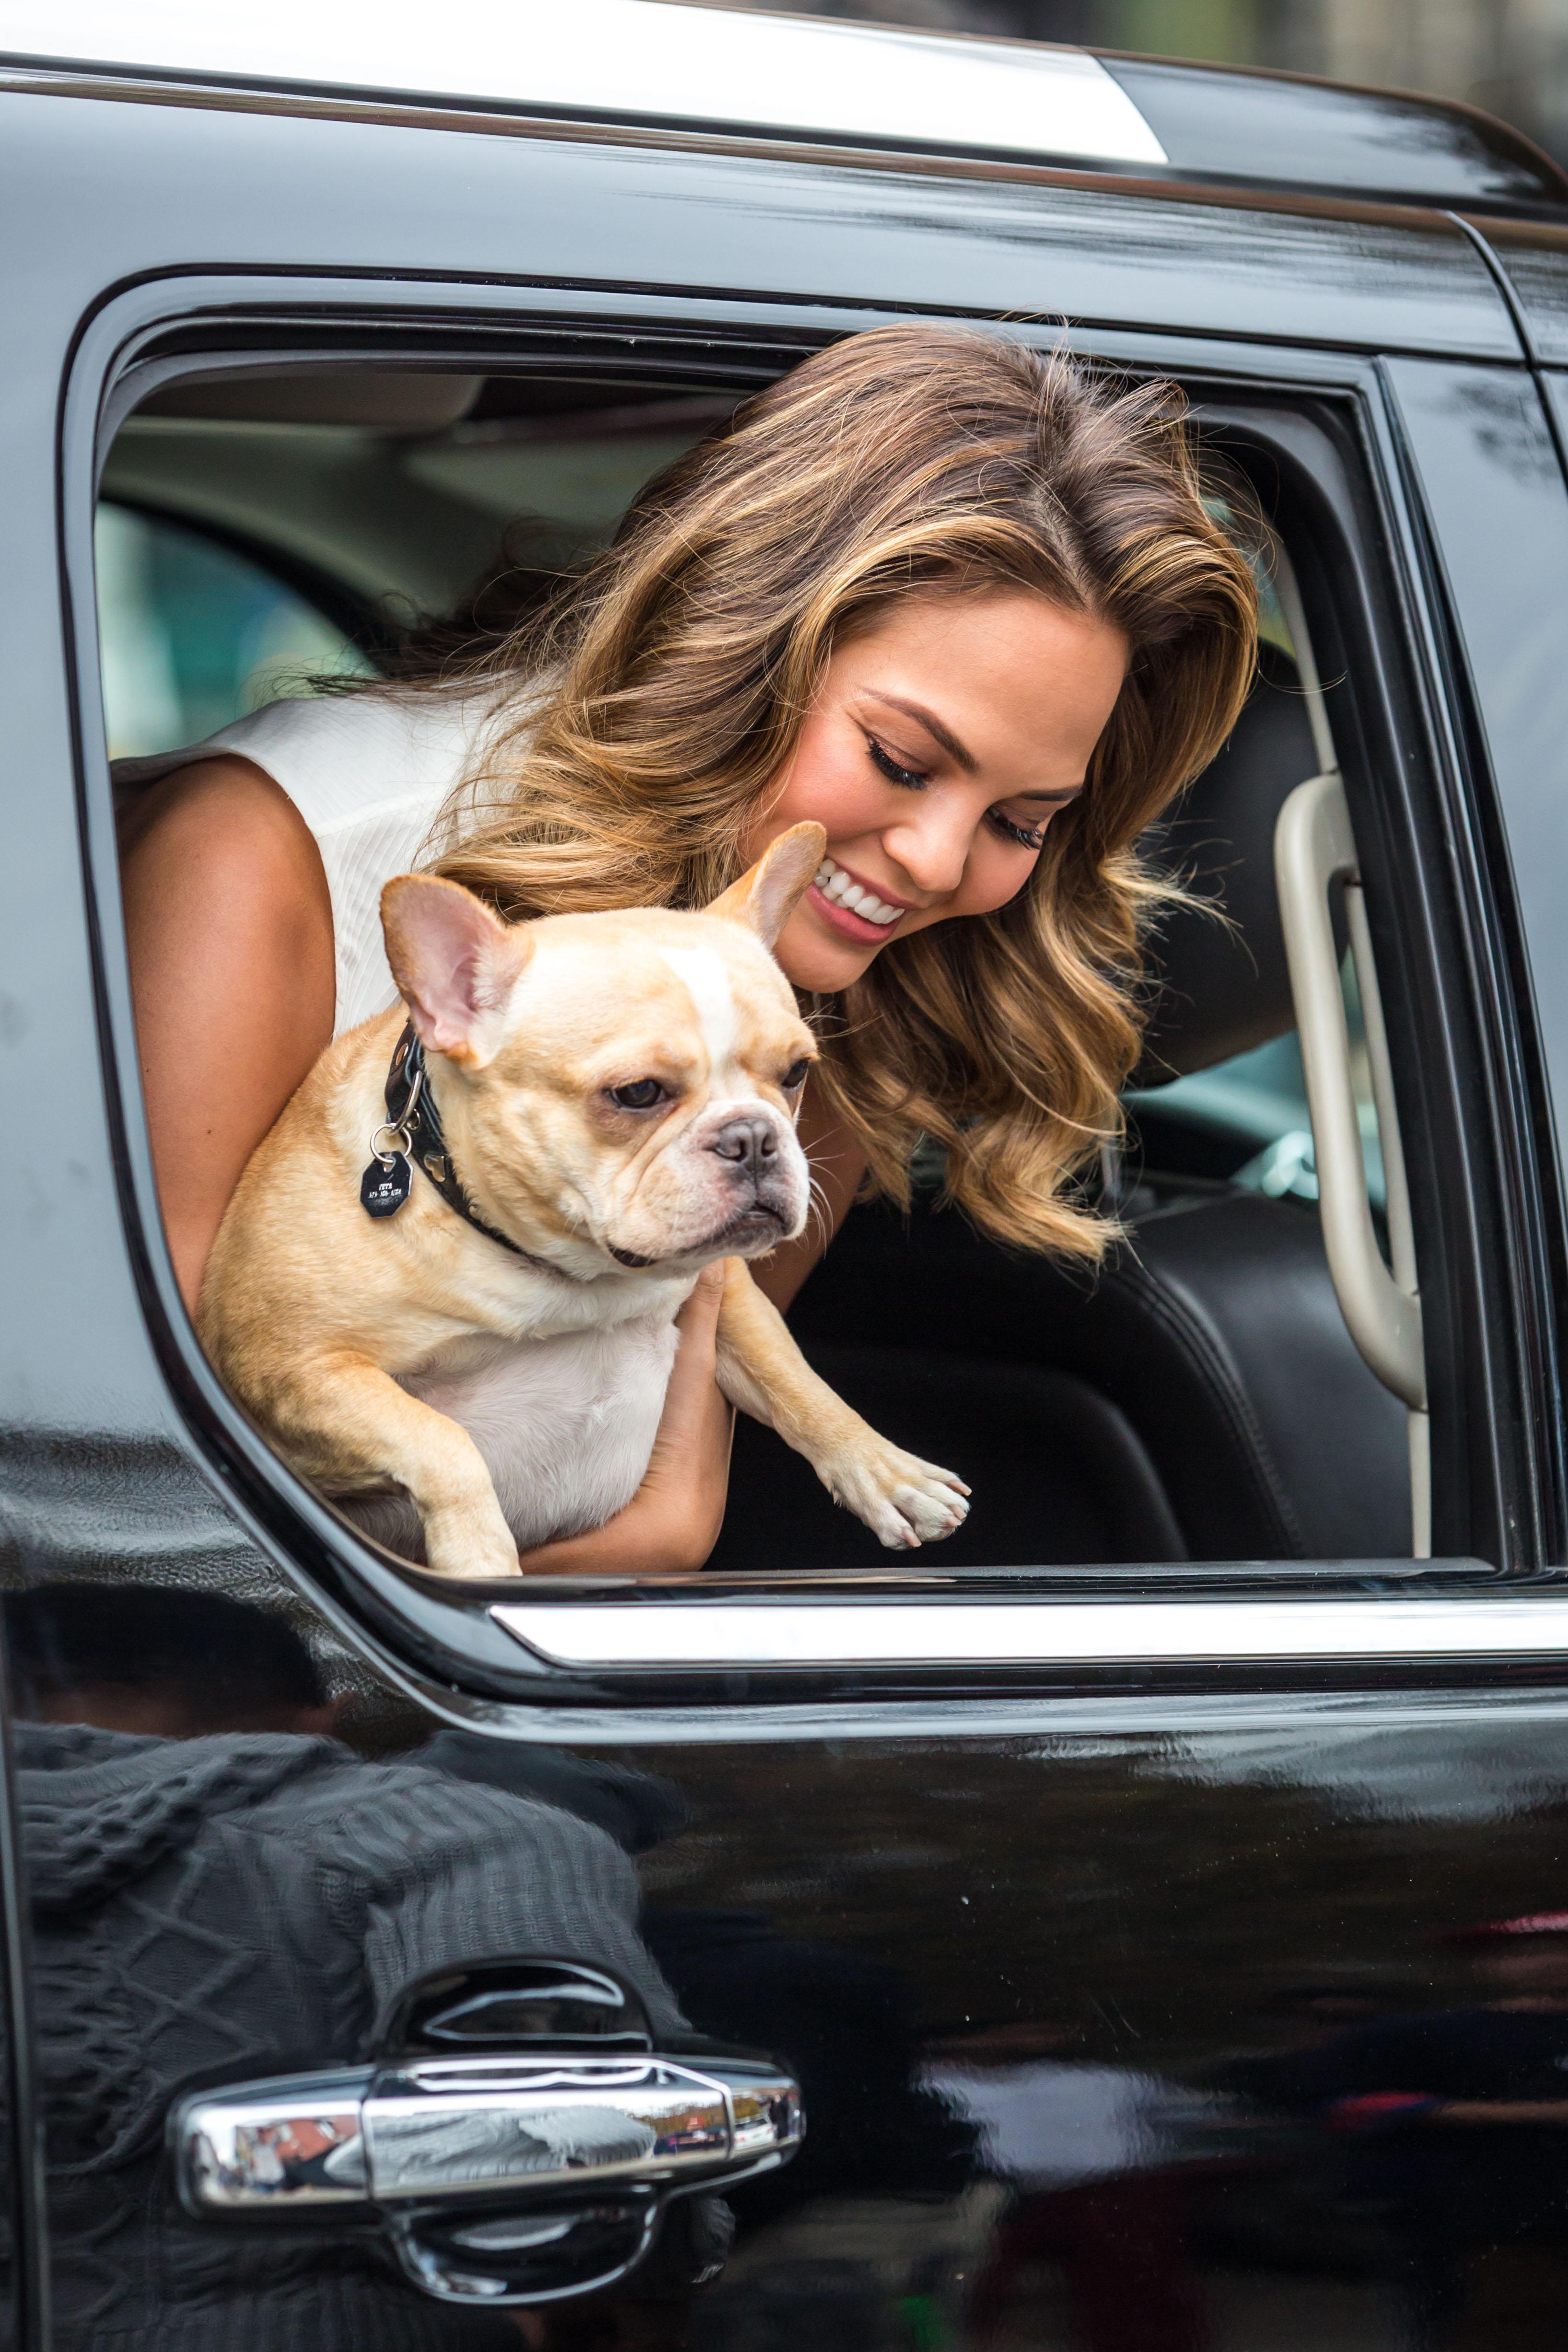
(963, 606)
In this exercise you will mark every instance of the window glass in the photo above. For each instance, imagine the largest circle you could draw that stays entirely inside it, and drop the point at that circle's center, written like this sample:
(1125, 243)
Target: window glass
(193, 635)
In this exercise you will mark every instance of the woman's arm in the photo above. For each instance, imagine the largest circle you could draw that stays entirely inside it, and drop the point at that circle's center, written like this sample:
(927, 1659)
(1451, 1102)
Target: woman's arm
(229, 925)
(838, 1167)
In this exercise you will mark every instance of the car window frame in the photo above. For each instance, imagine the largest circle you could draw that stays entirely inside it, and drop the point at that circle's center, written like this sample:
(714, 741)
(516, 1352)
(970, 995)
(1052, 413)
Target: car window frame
(435, 1640)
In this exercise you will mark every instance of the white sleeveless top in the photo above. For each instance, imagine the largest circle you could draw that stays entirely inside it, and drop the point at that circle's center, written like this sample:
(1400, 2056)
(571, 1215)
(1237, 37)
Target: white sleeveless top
(371, 774)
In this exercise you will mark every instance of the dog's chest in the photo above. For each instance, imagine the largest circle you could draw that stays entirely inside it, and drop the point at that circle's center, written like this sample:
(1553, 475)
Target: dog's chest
(565, 1424)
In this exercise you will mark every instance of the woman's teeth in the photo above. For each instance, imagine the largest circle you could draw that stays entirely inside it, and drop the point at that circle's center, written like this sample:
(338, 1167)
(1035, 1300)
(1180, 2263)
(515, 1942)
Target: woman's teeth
(835, 884)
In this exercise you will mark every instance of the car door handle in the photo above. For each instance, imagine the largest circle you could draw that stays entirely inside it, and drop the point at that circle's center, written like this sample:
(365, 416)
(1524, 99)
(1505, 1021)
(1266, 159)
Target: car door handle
(454, 2128)
(505, 2176)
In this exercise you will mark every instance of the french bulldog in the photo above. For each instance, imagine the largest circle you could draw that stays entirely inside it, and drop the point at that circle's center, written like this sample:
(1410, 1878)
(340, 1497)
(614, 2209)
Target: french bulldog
(446, 1284)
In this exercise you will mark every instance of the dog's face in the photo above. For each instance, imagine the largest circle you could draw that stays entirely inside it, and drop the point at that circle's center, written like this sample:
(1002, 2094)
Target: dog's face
(619, 1090)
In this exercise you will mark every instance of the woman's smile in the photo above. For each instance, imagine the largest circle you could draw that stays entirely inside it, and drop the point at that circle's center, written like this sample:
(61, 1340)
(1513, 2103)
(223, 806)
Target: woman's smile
(851, 905)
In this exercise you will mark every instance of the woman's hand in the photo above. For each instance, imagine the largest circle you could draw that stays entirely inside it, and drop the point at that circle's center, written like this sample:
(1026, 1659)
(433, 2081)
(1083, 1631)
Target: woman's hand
(684, 1490)
(672, 1522)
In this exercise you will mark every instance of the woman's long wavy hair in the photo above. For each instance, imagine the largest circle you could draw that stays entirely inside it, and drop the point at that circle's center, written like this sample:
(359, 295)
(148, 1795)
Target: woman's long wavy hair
(678, 666)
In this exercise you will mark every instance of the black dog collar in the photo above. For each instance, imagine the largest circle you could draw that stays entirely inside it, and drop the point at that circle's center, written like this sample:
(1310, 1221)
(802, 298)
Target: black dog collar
(414, 1134)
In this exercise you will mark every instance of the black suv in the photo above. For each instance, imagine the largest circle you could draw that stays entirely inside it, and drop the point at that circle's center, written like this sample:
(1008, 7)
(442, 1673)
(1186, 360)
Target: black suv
(1145, 1922)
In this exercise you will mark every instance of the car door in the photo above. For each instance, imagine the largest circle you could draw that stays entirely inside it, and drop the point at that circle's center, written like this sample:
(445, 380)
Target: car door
(447, 1965)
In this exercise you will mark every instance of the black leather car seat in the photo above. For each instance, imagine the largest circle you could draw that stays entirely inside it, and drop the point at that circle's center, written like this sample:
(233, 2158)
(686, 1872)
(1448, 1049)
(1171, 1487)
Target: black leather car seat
(1198, 1398)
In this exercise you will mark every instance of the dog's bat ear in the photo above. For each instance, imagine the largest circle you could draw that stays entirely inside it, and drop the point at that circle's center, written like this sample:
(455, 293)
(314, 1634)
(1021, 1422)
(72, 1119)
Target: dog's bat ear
(766, 894)
(454, 963)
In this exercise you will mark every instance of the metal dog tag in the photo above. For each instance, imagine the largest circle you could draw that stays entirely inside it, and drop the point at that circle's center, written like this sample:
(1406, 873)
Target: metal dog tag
(385, 1186)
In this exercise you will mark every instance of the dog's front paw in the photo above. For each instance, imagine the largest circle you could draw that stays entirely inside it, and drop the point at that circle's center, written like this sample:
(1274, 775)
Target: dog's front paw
(904, 1501)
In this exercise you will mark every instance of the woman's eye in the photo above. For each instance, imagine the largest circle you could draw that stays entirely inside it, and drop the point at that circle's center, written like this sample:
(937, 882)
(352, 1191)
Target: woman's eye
(795, 1076)
(1028, 836)
(640, 1094)
(910, 778)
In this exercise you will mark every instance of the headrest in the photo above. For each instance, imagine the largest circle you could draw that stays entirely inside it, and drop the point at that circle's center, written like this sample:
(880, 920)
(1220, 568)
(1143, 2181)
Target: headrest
(1218, 989)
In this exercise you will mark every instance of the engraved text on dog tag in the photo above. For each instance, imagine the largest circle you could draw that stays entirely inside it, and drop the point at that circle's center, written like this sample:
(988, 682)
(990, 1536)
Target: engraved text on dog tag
(385, 1186)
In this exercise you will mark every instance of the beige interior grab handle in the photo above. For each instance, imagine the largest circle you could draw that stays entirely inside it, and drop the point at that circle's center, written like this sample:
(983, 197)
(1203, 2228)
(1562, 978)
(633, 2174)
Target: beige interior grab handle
(1313, 846)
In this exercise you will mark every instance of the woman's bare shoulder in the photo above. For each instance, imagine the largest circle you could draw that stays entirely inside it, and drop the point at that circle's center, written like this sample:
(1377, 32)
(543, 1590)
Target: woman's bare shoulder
(223, 836)
(213, 804)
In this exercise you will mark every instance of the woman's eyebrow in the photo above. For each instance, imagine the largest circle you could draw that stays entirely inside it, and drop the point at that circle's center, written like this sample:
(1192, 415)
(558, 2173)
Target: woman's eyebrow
(932, 726)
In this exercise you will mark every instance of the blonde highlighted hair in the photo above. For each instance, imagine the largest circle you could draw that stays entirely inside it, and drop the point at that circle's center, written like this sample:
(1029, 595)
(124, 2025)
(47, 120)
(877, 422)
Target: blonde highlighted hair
(677, 669)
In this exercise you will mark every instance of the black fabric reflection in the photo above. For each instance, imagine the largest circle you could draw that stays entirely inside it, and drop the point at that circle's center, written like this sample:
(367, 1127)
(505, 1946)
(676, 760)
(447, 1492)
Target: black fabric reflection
(220, 1892)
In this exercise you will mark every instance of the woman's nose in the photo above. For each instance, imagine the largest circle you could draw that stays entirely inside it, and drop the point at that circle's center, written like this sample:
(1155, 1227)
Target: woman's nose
(932, 846)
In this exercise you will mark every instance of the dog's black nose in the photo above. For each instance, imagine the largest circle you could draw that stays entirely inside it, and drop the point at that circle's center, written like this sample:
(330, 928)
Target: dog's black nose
(746, 1142)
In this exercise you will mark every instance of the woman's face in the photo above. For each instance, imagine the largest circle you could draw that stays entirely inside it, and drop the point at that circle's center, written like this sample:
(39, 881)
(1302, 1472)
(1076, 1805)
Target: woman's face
(942, 744)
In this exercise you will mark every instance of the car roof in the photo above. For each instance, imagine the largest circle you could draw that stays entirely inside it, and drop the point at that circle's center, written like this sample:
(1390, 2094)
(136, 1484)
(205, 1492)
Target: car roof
(666, 62)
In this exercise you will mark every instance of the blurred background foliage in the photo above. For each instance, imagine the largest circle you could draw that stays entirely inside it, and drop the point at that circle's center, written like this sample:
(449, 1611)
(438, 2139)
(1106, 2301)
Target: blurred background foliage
(1509, 56)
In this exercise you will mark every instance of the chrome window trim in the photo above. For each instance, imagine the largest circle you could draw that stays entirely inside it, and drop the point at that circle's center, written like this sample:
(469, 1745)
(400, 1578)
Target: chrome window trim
(612, 1636)
(631, 59)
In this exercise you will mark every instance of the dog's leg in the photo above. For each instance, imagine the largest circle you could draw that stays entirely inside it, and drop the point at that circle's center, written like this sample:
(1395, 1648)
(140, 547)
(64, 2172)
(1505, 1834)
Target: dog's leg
(903, 1500)
(343, 1421)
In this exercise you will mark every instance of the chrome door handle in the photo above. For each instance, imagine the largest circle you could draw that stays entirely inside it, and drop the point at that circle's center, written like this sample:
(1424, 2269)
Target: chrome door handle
(452, 2128)
(513, 2176)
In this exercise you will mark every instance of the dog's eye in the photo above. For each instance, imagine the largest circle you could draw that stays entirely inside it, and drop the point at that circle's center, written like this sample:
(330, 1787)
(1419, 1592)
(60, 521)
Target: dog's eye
(643, 1094)
(795, 1076)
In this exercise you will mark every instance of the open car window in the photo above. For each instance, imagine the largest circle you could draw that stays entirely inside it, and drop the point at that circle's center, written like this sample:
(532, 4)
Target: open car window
(1201, 1407)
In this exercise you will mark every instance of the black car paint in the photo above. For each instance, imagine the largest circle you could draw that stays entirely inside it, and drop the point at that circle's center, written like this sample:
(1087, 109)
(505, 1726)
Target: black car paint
(1136, 1861)
(1283, 130)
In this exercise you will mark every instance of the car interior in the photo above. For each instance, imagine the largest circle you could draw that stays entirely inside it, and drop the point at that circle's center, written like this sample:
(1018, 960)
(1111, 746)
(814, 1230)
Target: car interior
(1197, 1398)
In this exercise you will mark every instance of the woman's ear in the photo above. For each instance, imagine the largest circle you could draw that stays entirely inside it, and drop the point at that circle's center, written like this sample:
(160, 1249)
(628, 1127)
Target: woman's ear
(766, 895)
(455, 964)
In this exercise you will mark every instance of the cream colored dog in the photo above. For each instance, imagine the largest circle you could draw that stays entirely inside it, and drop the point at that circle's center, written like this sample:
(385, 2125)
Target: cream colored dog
(614, 1098)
